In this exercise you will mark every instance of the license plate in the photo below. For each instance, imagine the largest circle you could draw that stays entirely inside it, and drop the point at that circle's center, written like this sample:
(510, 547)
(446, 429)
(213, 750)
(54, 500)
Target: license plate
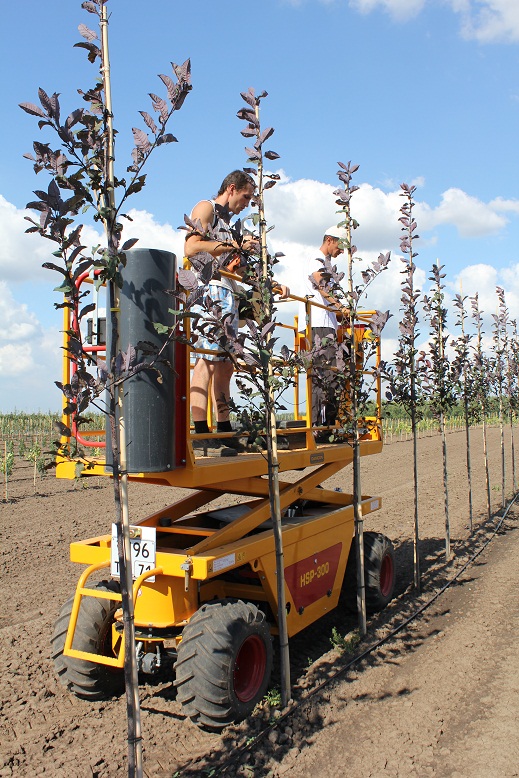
(143, 543)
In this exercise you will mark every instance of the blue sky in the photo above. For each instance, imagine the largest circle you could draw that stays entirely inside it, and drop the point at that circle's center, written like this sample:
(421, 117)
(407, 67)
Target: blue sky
(422, 91)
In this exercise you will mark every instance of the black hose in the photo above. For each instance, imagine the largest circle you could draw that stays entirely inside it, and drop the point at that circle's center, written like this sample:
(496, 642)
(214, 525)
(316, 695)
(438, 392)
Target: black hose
(356, 659)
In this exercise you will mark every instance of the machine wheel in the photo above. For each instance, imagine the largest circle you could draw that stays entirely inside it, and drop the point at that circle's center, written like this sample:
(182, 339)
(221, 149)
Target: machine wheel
(379, 573)
(88, 680)
(224, 663)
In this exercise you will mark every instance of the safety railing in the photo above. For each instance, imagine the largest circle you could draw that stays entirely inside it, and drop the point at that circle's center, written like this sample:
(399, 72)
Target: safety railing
(302, 388)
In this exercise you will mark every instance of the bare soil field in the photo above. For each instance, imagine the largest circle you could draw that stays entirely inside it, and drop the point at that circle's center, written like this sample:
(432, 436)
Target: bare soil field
(439, 698)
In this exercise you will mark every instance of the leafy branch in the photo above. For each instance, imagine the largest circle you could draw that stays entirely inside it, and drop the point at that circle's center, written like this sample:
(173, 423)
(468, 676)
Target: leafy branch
(404, 377)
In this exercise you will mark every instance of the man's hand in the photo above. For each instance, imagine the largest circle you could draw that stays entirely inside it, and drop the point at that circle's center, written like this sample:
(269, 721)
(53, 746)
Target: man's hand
(282, 290)
(250, 245)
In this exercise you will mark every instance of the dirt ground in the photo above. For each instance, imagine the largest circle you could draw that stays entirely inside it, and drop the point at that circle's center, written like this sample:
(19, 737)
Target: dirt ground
(439, 698)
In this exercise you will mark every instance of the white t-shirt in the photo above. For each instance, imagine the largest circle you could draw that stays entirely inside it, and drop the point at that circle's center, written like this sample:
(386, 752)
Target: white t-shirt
(320, 317)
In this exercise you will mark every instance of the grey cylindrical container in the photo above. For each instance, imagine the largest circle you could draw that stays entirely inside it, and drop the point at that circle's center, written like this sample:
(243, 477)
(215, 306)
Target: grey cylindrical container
(148, 408)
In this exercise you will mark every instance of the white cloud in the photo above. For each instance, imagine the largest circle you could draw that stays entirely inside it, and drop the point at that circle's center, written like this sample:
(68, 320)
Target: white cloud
(482, 279)
(508, 206)
(30, 357)
(302, 210)
(401, 10)
(488, 21)
(14, 362)
(301, 213)
(152, 234)
(471, 217)
(21, 255)
(19, 325)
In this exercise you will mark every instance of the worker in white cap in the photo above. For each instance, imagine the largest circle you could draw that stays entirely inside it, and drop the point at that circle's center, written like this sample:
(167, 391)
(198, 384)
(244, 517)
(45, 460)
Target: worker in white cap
(324, 324)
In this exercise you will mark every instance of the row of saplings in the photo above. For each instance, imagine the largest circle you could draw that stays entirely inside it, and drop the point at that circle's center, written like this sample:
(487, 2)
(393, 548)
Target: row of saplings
(223, 663)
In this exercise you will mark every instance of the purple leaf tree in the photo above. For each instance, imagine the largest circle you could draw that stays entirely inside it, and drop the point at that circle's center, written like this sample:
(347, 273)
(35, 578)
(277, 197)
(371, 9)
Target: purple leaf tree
(404, 377)
(466, 388)
(83, 178)
(440, 376)
(482, 379)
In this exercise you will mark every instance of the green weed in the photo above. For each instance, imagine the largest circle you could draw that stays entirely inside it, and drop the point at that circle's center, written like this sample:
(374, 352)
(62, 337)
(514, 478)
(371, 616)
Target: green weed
(345, 644)
(273, 697)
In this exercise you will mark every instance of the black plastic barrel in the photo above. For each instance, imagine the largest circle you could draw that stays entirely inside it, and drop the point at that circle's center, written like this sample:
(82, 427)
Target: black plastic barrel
(148, 405)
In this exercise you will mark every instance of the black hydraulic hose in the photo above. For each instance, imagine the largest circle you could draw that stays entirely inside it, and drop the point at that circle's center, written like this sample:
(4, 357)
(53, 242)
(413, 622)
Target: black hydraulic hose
(356, 659)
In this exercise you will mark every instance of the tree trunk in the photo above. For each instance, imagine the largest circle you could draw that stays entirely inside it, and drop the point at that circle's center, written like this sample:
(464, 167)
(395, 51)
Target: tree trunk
(469, 468)
(445, 489)
(485, 456)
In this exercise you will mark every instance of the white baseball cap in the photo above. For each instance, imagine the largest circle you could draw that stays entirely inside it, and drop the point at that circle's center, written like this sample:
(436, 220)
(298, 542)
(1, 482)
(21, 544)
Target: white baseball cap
(337, 232)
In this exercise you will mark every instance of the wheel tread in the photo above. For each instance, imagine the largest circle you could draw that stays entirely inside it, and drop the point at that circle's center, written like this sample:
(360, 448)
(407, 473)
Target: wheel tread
(204, 664)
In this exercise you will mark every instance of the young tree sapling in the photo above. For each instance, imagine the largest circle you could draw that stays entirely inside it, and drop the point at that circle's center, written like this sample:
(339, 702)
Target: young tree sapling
(83, 166)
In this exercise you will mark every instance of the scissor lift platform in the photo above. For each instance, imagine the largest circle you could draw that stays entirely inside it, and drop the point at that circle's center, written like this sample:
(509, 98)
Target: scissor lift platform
(211, 590)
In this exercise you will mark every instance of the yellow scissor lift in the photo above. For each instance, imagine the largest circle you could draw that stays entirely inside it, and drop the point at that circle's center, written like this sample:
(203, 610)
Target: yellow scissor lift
(205, 589)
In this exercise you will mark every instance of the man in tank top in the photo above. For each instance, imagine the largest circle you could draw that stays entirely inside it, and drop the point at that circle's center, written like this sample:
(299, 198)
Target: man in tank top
(233, 196)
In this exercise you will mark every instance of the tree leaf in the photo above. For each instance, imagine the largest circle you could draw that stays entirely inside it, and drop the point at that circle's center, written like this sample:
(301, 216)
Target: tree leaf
(87, 309)
(247, 115)
(167, 138)
(170, 86)
(127, 245)
(90, 7)
(141, 139)
(249, 98)
(160, 106)
(93, 51)
(87, 33)
(266, 134)
(52, 266)
(37, 205)
(187, 279)
(149, 122)
(34, 110)
(183, 72)
(63, 429)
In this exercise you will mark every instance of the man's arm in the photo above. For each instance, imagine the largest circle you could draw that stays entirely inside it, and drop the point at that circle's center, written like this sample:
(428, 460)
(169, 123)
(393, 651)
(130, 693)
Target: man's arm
(325, 294)
(194, 243)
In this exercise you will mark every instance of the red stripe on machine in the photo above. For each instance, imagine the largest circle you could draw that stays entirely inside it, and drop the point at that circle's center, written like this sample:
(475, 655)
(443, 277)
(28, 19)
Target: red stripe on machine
(312, 578)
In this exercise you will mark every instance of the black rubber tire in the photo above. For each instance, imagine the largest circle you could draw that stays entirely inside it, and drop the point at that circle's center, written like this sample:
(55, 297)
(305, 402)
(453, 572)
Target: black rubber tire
(88, 680)
(379, 573)
(224, 663)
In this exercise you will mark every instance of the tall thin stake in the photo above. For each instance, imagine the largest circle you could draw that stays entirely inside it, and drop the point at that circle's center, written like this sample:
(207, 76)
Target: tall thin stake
(512, 377)
(402, 376)
(461, 346)
(352, 388)
(273, 465)
(500, 348)
(481, 369)
(442, 376)
(120, 479)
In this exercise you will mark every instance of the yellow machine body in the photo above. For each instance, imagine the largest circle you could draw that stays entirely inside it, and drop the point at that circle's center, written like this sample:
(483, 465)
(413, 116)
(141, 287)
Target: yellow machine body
(204, 555)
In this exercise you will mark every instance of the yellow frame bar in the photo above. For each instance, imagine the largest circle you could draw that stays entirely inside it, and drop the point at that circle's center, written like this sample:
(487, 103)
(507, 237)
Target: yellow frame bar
(83, 591)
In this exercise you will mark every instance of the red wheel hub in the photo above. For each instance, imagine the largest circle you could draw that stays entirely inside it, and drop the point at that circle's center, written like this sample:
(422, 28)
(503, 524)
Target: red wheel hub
(249, 668)
(386, 575)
